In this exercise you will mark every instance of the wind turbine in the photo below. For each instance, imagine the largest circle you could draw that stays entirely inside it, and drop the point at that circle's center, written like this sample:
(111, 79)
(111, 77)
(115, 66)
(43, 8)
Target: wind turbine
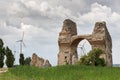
(21, 43)
(83, 51)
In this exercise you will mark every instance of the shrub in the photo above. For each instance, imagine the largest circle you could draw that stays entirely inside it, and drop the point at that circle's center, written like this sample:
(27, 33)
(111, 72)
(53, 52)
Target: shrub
(21, 60)
(100, 62)
(93, 58)
(28, 61)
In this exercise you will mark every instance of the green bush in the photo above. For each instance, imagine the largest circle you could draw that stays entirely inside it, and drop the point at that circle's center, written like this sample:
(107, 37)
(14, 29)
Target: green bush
(84, 60)
(28, 61)
(93, 58)
(100, 62)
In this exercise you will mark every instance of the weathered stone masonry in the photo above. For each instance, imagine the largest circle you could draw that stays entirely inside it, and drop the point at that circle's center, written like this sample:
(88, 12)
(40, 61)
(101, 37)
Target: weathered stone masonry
(68, 41)
(39, 62)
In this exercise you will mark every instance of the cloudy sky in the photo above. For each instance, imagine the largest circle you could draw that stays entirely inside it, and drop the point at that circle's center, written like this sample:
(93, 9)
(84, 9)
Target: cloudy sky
(41, 21)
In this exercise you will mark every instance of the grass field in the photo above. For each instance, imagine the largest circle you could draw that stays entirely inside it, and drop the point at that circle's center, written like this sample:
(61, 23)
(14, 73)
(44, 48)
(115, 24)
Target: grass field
(68, 72)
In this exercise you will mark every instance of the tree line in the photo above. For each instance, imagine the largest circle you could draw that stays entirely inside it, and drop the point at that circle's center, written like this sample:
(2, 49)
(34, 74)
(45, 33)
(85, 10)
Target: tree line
(7, 52)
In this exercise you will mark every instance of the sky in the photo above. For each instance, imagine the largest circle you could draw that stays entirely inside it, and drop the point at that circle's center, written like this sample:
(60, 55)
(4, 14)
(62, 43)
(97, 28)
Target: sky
(42, 20)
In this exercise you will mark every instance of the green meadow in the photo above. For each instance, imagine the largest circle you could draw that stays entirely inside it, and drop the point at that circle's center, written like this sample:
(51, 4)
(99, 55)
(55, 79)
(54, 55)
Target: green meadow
(68, 72)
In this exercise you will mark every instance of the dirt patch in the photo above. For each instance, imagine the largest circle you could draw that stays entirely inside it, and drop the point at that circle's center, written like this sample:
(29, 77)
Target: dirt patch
(3, 70)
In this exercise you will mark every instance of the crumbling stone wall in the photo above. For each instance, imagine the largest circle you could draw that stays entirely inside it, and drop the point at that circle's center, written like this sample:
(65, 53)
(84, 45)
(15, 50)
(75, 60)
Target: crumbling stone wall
(39, 62)
(68, 41)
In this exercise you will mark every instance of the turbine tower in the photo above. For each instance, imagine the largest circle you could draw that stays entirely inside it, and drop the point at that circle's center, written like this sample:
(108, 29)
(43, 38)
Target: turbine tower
(21, 43)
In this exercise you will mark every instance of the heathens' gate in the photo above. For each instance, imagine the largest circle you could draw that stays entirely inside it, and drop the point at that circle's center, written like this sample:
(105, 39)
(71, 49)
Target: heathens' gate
(68, 41)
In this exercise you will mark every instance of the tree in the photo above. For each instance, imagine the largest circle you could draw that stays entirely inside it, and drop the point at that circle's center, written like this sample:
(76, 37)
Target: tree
(9, 57)
(21, 60)
(28, 61)
(1, 43)
(1, 53)
(93, 58)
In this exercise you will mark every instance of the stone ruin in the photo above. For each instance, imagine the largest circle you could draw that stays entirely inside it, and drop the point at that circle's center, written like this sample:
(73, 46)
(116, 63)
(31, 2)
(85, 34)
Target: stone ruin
(39, 62)
(68, 42)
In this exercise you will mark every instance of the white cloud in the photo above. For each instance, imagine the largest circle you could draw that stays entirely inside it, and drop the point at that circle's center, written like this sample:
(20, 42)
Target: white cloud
(43, 8)
(7, 30)
(115, 19)
(97, 13)
(33, 5)
(101, 13)
(35, 31)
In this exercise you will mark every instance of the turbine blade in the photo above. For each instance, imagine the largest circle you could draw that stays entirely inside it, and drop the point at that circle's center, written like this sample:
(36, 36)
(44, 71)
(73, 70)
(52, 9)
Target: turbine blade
(24, 44)
(84, 43)
(84, 50)
(19, 41)
(22, 36)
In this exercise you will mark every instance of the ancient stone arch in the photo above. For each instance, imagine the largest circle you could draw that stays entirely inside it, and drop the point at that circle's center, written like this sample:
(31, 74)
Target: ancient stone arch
(68, 41)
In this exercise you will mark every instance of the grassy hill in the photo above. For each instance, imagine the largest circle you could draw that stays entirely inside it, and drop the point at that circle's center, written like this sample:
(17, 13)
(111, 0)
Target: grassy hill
(68, 72)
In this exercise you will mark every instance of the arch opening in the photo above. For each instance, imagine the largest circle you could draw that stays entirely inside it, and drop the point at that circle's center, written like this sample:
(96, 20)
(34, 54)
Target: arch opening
(83, 48)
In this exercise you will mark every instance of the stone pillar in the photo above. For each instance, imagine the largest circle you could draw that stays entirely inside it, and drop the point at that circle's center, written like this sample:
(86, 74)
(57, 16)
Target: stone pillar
(102, 39)
(64, 41)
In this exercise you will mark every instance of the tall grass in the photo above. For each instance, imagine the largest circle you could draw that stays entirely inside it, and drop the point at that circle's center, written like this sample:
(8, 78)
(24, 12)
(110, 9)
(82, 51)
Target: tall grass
(68, 72)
